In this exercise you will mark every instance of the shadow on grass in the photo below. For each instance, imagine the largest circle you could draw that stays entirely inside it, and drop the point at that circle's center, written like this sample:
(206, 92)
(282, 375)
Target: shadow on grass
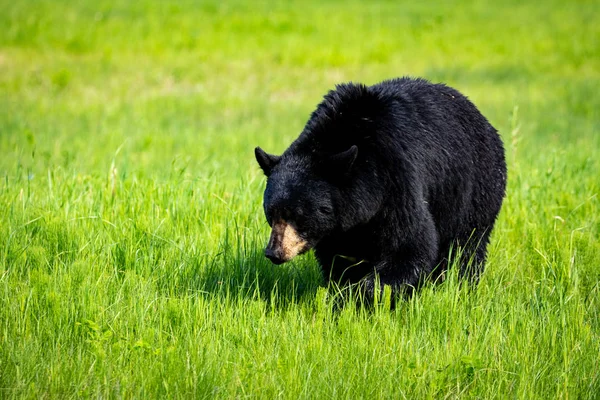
(239, 272)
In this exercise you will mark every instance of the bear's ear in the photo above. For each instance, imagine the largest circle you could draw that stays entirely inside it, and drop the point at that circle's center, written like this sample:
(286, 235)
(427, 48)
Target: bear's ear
(265, 160)
(342, 162)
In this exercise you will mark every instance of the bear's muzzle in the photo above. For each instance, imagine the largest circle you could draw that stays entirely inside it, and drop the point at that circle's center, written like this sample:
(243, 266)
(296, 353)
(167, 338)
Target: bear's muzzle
(285, 243)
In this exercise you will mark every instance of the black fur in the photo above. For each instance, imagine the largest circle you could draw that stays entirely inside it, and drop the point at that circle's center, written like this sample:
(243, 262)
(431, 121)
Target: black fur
(386, 179)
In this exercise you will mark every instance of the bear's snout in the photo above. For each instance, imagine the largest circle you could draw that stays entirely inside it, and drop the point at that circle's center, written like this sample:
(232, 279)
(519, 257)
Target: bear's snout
(274, 255)
(285, 243)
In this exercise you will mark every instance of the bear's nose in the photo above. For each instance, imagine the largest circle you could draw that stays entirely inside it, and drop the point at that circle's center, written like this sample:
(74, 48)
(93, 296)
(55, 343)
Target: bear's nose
(274, 256)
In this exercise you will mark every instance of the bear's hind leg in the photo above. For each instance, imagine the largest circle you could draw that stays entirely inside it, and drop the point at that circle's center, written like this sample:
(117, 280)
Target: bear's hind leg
(473, 254)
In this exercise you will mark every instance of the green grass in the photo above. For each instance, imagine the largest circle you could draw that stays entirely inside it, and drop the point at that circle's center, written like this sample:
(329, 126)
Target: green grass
(131, 226)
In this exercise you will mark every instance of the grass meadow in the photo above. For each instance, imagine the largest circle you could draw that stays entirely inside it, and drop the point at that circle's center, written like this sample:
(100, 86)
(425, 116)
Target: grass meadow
(131, 226)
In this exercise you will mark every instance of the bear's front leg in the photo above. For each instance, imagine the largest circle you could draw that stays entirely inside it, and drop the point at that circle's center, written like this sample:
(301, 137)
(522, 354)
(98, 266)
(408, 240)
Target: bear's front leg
(404, 267)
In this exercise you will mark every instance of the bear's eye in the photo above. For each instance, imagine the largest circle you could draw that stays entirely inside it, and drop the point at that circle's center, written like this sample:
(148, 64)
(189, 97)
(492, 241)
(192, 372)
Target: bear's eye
(286, 214)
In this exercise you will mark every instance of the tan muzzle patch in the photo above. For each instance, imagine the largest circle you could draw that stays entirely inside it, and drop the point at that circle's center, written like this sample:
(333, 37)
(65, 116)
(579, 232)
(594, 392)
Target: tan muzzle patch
(286, 241)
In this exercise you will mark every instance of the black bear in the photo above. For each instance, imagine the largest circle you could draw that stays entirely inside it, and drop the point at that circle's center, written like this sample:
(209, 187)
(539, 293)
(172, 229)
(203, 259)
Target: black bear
(384, 181)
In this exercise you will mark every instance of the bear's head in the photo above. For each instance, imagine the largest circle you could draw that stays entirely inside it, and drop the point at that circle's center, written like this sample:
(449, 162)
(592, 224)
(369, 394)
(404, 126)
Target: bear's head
(302, 199)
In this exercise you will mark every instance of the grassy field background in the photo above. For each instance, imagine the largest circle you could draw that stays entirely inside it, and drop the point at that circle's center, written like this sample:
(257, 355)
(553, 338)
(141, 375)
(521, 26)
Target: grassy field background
(131, 227)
